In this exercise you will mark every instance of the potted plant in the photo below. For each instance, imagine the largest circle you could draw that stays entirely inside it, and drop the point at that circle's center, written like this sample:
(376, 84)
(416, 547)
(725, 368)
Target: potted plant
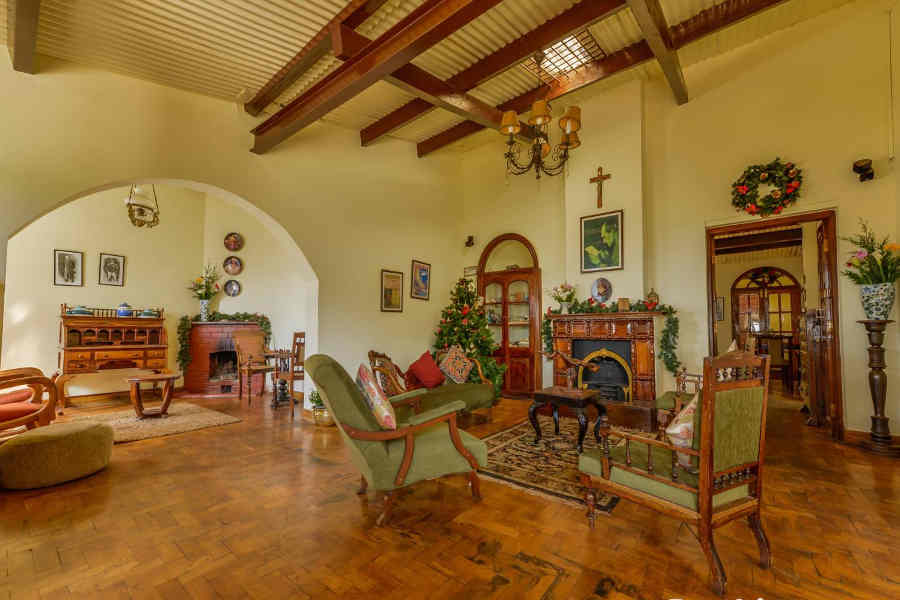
(205, 288)
(875, 267)
(321, 416)
(564, 293)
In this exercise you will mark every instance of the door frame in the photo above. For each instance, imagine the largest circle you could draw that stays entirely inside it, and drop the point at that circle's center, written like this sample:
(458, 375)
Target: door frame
(828, 218)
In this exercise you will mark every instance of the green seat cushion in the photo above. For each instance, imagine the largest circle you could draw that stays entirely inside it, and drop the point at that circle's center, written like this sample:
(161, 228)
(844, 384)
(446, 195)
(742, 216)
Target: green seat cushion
(667, 400)
(55, 454)
(475, 395)
(434, 456)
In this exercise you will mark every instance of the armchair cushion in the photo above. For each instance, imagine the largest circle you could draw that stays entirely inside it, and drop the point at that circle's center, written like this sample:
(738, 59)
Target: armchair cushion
(23, 395)
(427, 371)
(381, 408)
(14, 410)
(474, 395)
(456, 365)
(438, 411)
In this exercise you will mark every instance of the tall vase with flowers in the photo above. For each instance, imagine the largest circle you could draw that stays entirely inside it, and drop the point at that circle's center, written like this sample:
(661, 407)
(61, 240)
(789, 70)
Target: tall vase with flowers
(205, 288)
(875, 267)
(564, 293)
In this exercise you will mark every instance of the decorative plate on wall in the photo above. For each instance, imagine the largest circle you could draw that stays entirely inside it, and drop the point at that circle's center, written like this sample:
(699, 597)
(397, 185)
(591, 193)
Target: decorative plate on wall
(601, 290)
(234, 241)
(232, 287)
(233, 265)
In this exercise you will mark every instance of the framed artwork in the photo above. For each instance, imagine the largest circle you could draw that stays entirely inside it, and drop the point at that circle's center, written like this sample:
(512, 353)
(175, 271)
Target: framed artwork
(420, 280)
(391, 291)
(601, 290)
(233, 265)
(234, 241)
(470, 272)
(601, 242)
(68, 268)
(112, 270)
(232, 288)
(720, 308)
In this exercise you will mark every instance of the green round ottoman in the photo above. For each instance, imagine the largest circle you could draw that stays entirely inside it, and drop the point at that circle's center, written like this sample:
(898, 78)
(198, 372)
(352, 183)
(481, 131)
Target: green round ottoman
(54, 454)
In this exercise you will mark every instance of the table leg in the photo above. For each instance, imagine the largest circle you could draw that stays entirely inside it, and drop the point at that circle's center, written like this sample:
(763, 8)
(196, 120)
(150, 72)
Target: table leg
(532, 416)
(136, 399)
(556, 419)
(61, 392)
(602, 418)
(582, 428)
(167, 391)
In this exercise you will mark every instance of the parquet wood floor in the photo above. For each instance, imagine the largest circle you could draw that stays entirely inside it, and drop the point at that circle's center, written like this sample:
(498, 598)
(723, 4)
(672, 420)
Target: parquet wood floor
(267, 508)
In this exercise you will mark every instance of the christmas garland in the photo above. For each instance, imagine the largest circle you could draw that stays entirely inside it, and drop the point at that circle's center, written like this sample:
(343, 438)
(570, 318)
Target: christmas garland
(184, 331)
(784, 177)
(668, 339)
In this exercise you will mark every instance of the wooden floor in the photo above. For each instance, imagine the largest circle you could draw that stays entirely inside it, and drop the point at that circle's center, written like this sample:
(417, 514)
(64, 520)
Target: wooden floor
(267, 509)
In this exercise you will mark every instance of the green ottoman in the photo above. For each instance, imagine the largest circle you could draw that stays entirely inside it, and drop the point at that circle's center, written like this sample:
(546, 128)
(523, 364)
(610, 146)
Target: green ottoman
(55, 454)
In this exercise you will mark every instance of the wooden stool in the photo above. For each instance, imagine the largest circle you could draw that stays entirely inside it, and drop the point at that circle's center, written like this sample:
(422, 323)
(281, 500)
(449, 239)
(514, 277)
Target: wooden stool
(168, 380)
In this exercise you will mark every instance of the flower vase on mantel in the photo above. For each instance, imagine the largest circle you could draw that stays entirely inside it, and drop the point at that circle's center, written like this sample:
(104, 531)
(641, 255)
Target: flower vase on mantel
(564, 308)
(204, 289)
(204, 311)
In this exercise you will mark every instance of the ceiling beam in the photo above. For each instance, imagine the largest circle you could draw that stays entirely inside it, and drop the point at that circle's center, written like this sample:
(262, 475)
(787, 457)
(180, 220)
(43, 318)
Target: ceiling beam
(351, 16)
(576, 18)
(759, 241)
(421, 29)
(583, 76)
(717, 17)
(21, 33)
(650, 18)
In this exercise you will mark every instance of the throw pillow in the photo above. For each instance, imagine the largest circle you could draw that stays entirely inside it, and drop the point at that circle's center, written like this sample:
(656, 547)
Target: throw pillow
(411, 381)
(456, 365)
(427, 371)
(732, 348)
(681, 431)
(378, 403)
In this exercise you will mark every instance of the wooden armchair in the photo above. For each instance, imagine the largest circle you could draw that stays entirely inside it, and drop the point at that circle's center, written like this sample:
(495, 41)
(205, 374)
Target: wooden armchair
(28, 405)
(290, 368)
(729, 446)
(250, 347)
(390, 460)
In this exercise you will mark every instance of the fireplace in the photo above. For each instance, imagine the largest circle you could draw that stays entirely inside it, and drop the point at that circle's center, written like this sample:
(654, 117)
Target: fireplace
(213, 369)
(222, 365)
(615, 377)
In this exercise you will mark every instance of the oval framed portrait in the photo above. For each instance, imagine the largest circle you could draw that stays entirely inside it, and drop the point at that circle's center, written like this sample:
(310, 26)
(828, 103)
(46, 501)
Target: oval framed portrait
(234, 241)
(601, 290)
(233, 265)
(232, 288)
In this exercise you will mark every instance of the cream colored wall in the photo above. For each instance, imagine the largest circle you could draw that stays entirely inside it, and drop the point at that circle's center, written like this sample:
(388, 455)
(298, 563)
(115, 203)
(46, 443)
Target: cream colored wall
(726, 274)
(158, 264)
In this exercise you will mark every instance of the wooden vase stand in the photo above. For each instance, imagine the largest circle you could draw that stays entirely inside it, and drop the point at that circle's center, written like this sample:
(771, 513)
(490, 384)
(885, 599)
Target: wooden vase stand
(879, 441)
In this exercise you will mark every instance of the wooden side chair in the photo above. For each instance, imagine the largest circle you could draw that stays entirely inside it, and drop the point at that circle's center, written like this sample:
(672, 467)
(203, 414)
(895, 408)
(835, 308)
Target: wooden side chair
(729, 445)
(30, 400)
(292, 368)
(250, 347)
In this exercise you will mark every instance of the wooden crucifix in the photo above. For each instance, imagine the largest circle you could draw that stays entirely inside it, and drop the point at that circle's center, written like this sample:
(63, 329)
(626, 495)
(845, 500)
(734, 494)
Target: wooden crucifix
(599, 179)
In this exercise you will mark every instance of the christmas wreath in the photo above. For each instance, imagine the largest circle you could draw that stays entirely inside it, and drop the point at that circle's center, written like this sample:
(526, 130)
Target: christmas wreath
(785, 179)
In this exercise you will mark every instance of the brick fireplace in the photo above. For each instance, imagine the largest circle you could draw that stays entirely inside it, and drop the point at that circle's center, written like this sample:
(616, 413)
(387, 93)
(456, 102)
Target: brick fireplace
(213, 369)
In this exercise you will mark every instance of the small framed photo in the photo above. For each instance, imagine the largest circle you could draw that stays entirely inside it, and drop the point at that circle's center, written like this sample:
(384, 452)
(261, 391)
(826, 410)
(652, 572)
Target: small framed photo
(391, 291)
(470, 272)
(234, 241)
(720, 308)
(420, 280)
(68, 268)
(601, 242)
(112, 270)
(232, 288)
(233, 265)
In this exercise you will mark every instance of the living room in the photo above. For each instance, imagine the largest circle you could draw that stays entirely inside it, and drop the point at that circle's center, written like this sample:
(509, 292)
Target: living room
(336, 234)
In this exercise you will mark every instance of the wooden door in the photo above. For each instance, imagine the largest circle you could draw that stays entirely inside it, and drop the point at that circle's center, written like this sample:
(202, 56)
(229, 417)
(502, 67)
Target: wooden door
(826, 376)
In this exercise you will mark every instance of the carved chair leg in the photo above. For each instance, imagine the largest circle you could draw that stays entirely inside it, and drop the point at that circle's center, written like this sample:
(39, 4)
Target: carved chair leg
(712, 557)
(363, 486)
(765, 555)
(390, 498)
(474, 485)
(590, 498)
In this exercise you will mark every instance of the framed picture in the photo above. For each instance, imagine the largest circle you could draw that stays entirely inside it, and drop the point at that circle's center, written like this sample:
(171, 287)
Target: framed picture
(420, 280)
(601, 290)
(234, 241)
(233, 265)
(470, 272)
(232, 287)
(601, 242)
(68, 267)
(391, 291)
(720, 308)
(112, 270)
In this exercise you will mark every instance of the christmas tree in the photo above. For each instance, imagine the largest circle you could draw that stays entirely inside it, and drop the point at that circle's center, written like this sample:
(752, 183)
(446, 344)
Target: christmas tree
(464, 323)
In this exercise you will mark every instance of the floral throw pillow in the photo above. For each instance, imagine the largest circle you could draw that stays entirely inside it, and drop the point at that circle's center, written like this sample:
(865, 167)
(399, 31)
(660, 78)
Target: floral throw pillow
(456, 365)
(681, 431)
(380, 406)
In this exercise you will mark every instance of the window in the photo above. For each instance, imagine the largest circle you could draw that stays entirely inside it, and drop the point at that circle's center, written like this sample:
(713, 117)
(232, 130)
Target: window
(566, 55)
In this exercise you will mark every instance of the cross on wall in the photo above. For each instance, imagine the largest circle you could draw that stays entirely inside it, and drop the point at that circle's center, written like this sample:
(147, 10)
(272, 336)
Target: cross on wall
(599, 179)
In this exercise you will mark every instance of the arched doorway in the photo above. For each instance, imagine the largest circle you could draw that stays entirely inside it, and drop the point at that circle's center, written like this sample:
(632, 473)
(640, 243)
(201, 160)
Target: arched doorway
(765, 302)
(509, 280)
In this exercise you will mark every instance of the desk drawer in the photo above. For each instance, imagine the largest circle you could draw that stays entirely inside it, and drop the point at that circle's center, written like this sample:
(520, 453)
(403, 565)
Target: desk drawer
(156, 353)
(75, 366)
(156, 363)
(118, 354)
(78, 355)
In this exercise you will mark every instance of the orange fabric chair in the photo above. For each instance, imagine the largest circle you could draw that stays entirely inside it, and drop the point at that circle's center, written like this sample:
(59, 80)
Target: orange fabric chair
(30, 400)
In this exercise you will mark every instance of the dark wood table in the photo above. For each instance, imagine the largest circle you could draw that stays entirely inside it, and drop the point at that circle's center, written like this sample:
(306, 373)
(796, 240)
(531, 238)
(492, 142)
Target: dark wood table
(577, 400)
(168, 381)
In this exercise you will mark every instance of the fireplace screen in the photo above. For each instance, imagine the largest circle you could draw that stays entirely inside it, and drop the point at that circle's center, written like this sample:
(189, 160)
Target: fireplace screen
(613, 376)
(222, 365)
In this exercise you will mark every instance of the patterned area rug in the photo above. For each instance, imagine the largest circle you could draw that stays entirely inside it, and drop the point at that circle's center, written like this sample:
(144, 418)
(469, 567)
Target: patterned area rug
(182, 417)
(548, 469)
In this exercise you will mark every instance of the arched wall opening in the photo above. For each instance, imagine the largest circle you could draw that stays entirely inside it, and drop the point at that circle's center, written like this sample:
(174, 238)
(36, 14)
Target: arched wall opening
(277, 279)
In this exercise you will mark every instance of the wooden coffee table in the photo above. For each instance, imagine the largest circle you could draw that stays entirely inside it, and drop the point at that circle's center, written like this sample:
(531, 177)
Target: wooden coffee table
(168, 381)
(577, 400)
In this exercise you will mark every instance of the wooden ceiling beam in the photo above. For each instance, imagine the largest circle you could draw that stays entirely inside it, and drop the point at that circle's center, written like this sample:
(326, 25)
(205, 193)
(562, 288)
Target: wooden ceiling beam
(715, 18)
(21, 33)
(421, 29)
(759, 241)
(352, 16)
(566, 23)
(650, 18)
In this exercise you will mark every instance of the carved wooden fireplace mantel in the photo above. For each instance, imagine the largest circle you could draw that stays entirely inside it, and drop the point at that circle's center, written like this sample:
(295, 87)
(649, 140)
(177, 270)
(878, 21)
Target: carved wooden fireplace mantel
(626, 342)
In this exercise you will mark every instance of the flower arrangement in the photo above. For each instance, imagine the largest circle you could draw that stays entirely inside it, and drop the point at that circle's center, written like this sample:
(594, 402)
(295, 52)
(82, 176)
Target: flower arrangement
(563, 293)
(206, 286)
(874, 261)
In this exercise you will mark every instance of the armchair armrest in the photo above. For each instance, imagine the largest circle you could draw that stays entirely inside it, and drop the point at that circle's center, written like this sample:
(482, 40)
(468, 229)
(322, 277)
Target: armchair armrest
(481, 376)
(438, 411)
(410, 397)
(606, 432)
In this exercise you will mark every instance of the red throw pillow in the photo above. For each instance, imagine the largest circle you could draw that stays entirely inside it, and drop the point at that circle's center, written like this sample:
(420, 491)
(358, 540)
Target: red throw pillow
(427, 371)
(412, 383)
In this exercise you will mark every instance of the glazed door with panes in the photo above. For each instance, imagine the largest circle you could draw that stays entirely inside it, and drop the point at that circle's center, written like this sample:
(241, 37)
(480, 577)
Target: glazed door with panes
(765, 300)
(509, 306)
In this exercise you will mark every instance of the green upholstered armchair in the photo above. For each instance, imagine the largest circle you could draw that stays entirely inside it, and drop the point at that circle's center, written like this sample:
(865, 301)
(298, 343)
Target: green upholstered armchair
(729, 447)
(425, 445)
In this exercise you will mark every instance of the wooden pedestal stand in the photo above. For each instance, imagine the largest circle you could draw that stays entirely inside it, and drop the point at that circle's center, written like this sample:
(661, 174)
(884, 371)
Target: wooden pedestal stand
(880, 442)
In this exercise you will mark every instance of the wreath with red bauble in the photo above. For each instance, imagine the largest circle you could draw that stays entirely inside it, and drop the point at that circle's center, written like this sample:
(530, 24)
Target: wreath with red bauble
(785, 178)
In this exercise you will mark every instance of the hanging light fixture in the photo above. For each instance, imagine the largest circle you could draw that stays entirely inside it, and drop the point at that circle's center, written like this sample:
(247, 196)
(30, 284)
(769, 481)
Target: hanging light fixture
(141, 213)
(540, 120)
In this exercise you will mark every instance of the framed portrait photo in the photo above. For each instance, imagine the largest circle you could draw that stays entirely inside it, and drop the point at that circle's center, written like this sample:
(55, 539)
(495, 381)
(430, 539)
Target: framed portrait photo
(601, 242)
(232, 288)
(720, 308)
(233, 241)
(112, 270)
(233, 265)
(420, 280)
(68, 268)
(391, 291)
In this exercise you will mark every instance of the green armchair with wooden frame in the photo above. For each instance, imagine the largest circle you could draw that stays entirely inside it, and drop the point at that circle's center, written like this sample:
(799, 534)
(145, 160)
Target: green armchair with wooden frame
(425, 445)
(725, 482)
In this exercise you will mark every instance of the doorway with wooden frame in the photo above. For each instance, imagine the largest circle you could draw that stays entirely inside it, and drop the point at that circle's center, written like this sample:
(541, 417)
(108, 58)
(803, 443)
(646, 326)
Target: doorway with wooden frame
(772, 309)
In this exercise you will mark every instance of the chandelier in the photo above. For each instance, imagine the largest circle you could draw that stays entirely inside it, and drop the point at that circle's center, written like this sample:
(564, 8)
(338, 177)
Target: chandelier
(141, 213)
(540, 149)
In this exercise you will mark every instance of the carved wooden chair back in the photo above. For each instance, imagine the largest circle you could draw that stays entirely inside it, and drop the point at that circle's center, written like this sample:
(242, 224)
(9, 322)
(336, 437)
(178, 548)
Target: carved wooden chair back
(39, 409)
(250, 347)
(387, 374)
(298, 353)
